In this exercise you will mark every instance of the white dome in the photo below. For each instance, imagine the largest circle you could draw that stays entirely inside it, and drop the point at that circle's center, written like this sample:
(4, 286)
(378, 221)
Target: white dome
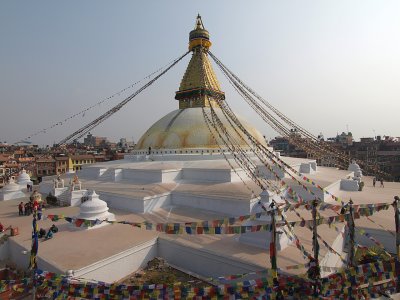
(95, 208)
(24, 178)
(187, 128)
(354, 167)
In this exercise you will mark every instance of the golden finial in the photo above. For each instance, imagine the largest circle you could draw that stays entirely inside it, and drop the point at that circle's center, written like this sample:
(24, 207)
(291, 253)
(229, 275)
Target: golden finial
(199, 36)
(199, 22)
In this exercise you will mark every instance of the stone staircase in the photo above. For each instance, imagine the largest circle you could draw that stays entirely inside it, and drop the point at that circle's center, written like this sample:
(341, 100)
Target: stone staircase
(64, 199)
(108, 175)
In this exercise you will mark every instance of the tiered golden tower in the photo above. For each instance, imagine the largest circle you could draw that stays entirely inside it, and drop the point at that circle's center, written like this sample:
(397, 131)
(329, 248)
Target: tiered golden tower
(199, 86)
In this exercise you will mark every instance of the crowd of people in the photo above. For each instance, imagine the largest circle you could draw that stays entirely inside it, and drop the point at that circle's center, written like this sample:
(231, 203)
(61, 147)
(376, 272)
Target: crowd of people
(33, 206)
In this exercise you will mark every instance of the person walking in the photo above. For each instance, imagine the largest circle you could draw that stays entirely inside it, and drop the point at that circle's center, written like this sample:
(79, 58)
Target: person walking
(382, 186)
(373, 182)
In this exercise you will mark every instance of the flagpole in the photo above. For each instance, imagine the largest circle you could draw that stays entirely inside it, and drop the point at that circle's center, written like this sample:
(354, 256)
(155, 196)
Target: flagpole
(351, 226)
(315, 247)
(397, 223)
(272, 252)
(33, 257)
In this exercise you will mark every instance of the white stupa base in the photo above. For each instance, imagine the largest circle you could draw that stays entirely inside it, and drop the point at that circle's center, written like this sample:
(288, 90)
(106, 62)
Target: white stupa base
(349, 185)
(11, 195)
(24, 184)
(94, 209)
(262, 239)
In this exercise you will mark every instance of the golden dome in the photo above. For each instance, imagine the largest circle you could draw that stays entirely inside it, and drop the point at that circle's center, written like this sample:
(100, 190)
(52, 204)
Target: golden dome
(186, 128)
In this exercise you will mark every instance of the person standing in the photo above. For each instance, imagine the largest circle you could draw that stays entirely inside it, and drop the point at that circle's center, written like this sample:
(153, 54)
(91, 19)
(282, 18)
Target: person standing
(26, 209)
(39, 212)
(373, 182)
(382, 186)
(21, 209)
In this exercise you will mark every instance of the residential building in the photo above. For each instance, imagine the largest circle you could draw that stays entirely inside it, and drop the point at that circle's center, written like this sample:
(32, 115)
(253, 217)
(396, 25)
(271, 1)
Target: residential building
(63, 164)
(46, 166)
(95, 141)
(82, 159)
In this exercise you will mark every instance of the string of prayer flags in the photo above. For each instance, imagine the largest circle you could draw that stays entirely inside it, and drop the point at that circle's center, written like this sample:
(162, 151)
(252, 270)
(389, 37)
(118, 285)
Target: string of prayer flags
(222, 226)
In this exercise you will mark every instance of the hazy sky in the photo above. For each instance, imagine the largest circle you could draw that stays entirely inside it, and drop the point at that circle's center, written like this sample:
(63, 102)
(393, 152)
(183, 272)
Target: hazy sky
(325, 64)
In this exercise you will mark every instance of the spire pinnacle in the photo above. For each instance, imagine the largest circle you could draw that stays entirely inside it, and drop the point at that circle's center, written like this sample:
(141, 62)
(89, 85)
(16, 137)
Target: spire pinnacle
(199, 36)
(199, 22)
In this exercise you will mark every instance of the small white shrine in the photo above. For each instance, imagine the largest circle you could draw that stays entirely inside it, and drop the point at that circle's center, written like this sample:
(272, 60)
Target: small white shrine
(24, 179)
(352, 184)
(262, 239)
(11, 191)
(95, 209)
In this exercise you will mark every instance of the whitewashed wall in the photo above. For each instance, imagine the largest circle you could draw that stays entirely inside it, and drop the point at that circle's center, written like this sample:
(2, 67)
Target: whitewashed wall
(202, 261)
(120, 265)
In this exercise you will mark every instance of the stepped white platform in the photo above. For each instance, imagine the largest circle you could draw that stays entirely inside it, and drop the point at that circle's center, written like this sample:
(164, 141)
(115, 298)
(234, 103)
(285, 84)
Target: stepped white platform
(200, 181)
(111, 252)
(173, 190)
(11, 191)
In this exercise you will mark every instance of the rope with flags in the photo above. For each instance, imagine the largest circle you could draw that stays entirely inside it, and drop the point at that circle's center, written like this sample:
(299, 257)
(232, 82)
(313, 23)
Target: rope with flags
(296, 134)
(83, 112)
(82, 131)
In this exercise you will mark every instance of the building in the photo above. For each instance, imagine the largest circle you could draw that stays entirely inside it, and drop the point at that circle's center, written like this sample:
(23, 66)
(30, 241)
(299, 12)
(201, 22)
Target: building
(379, 153)
(343, 139)
(11, 167)
(3, 160)
(95, 141)
(283, 145)
(63, 164)
(45, 166)
(79, 160)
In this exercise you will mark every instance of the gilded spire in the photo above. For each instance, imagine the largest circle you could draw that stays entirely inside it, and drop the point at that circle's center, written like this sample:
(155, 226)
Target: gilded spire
(199, 86)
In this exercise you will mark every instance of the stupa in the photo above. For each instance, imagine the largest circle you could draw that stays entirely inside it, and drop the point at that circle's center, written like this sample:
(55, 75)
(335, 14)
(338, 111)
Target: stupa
(188, 179)
(11, 191)
(95, 209)
(24, 179)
